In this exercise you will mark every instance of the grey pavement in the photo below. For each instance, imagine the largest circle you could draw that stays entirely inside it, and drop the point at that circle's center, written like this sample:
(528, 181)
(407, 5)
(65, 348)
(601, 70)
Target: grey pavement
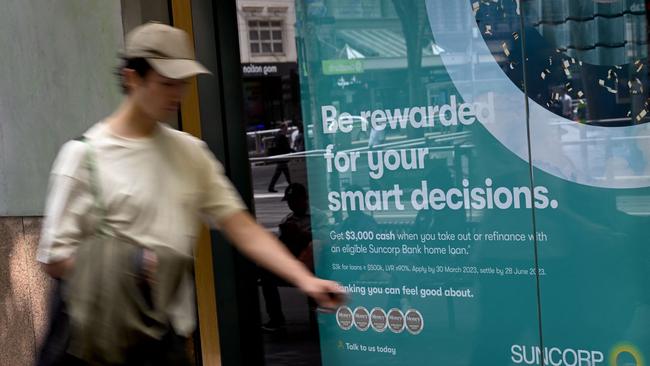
(269, 207)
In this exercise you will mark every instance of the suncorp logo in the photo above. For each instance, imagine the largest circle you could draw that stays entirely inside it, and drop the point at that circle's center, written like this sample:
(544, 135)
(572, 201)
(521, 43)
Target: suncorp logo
(532, 355)
(623, 354)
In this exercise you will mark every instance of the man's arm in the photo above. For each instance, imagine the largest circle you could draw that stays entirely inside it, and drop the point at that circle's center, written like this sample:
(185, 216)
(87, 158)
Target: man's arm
(69, 203)
(263, 248)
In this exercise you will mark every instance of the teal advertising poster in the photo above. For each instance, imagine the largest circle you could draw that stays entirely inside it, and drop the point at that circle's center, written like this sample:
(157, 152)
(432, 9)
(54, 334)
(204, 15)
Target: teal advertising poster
(479, 179)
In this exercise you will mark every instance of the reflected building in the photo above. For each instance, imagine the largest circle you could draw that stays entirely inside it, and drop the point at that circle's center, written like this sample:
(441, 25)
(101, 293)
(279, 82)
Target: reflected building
(268, 58)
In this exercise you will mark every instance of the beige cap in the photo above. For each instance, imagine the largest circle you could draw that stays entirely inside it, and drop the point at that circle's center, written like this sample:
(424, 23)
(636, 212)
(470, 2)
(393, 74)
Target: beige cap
(167, 49)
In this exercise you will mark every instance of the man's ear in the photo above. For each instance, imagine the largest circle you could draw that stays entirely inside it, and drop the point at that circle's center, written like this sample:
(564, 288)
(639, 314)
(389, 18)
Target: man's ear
(131, 79)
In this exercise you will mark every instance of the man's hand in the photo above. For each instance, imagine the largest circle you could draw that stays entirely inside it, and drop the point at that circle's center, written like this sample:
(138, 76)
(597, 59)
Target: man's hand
(60, 268)
(328, 294)
(149, 265)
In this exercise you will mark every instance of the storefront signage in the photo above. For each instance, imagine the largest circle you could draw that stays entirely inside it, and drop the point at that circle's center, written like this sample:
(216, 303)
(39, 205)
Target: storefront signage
(471, 222)
(340, 67)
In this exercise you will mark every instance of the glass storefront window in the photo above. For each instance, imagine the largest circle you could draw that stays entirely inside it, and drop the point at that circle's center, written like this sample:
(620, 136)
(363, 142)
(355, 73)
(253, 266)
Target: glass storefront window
(479, 174)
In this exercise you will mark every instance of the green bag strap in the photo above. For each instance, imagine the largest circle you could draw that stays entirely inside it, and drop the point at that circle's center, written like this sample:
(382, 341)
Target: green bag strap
(84, 349)
(93, 181)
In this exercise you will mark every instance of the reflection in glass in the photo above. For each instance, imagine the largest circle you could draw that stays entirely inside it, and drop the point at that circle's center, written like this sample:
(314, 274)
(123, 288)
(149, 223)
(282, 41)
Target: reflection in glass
(593, 152)
(544, 109)
(588, 56)
(388, 81)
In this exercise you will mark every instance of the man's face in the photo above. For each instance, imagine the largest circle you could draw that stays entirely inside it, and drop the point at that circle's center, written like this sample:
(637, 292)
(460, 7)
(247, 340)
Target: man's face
(157, 96)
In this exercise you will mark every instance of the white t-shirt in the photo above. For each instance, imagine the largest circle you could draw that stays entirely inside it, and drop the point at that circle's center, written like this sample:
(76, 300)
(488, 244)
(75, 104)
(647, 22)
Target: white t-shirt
(154, 189)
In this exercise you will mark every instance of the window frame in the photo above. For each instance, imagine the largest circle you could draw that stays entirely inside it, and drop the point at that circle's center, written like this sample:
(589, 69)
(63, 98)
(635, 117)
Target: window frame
(271, 41)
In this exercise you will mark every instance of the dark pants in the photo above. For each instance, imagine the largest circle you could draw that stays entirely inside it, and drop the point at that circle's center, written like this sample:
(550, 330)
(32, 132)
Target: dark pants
(280, 168)
(272, 300)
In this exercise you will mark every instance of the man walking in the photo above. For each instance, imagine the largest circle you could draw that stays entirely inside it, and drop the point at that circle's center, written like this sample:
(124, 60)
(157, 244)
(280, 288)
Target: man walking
(153, 183)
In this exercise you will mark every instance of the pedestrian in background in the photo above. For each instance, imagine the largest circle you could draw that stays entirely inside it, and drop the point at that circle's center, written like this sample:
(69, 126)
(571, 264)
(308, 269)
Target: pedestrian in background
(281, 147)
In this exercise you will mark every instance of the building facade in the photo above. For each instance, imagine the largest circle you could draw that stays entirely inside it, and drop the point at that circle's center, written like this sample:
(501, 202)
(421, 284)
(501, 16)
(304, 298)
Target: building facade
(269, 62)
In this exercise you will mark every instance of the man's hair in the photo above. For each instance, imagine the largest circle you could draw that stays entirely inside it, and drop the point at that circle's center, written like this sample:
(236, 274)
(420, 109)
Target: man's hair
(139, 65)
